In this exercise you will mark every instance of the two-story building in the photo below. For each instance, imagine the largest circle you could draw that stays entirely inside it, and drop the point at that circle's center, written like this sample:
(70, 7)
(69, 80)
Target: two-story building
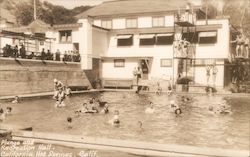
(122, 35)
(115, 37)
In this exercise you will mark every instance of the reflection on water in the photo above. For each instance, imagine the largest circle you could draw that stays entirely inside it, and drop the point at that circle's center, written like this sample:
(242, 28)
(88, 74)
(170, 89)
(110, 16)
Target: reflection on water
(195, 126)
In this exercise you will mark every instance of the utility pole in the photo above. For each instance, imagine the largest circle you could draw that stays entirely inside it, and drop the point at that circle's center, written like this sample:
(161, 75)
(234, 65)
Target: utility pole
(206, 11)
(34, 9)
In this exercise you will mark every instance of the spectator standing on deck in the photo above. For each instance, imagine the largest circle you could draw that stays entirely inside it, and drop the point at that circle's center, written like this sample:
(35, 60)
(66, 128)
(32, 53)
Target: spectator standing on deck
(57, 55)
(214, 71)
(246, 47)
(43, 55)
(15, 52)
(22, 52)
(208, 68)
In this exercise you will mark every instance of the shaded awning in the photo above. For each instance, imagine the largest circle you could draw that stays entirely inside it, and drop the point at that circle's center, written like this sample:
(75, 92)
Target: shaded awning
(123, 36)
(146, 36)
(164, 35)
(207, 34)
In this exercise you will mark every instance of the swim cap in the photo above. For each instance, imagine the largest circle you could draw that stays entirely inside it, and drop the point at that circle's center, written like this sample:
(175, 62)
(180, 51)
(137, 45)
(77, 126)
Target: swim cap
(55, 80)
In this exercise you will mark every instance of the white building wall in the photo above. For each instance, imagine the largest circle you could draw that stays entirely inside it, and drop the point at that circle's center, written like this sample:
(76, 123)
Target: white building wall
(219, 49)
(85, 44)
(109, 71)
(144, 22)
(136, 49)
(99, 42)
(169, 20)
(119, 23)
(98, 23)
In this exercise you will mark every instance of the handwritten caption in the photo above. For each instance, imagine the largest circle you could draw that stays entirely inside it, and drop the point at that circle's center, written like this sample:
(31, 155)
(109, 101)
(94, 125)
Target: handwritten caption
(29, 149)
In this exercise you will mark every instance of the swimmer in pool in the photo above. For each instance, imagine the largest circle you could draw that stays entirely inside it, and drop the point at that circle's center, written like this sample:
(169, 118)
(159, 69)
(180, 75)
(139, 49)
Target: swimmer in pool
(115, 120)
(101, 103)
(69, 122)
(159, 89)
(175, 107)
(8, 110)
(16, 100)
(2, 115)
(169, 91)
(105, 109)
(185, 99)
(150, 109)
(84, 108)
(93, 106)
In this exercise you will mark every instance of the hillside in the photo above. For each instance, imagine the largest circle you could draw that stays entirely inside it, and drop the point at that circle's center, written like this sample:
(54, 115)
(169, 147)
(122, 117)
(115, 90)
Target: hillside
(21, 12)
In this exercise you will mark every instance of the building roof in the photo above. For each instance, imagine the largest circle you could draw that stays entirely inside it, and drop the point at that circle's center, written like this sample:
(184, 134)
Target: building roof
(123, 7)
(38, 26)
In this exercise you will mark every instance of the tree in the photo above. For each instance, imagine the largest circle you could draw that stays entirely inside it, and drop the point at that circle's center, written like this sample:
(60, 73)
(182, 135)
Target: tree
(49, 13)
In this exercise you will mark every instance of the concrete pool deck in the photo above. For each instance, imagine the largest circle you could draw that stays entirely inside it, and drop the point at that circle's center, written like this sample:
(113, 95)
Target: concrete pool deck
(132, 147)
(44, 94)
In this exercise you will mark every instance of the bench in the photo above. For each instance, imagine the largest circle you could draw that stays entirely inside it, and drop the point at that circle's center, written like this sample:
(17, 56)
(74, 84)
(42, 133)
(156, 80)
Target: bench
(117, 83)
(78, 88)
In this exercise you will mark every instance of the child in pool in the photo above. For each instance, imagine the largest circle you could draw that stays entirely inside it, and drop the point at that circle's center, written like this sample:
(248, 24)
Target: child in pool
(150, 109)
(16, 100)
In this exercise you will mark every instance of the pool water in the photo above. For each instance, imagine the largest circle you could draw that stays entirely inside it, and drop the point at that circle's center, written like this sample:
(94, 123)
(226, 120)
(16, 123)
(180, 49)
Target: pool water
(196, 126)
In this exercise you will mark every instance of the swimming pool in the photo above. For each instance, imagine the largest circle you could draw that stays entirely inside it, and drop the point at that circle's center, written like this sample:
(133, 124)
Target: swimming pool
(195, 126)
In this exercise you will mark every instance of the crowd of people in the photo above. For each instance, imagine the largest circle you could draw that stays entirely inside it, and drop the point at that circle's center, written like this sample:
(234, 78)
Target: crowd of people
(16, 52)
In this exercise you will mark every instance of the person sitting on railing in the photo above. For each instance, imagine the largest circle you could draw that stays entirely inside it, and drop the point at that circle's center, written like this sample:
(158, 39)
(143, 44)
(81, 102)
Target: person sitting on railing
(22, 51)
(32, 56)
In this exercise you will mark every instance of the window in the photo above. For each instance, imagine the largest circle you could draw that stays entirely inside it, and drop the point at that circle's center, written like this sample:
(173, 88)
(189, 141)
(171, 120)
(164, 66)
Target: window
(192, 37)
(131, 23)
(158, 21)
(107, 24)
(124, 40)
(166, 62)
(164, 39)
(119, 63)
(65, 36)
(147, 39)
(207, 37)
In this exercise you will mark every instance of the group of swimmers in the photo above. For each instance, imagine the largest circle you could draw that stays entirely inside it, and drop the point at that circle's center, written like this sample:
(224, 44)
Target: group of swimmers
(93, 106)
